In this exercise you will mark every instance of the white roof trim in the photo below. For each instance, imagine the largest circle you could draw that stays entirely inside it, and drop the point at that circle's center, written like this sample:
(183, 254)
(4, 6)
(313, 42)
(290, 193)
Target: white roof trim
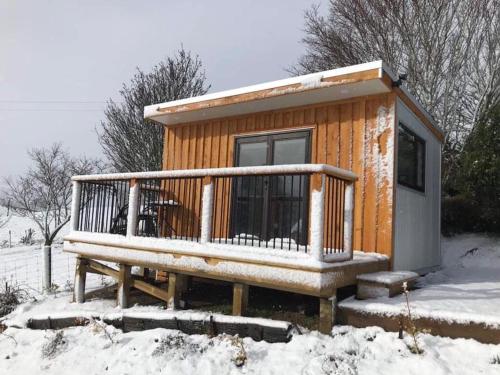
(154, 109)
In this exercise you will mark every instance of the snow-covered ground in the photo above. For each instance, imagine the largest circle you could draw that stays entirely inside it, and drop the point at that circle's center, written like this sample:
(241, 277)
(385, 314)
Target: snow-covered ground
(467, 289)
(98, 349)
(22, 265)
(15, 228)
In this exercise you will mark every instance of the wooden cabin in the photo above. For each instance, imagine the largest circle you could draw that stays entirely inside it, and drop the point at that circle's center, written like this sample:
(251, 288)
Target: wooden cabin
(298, 185)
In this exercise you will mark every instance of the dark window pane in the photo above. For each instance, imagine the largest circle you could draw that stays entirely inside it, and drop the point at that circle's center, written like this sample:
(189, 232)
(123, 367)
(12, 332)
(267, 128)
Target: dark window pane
(290, 151)
(271, 207)
(252, 154)
(411, 159)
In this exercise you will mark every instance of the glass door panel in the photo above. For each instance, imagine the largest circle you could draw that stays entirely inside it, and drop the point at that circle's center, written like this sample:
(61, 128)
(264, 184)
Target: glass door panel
(249, 190)
(287, 206)
(271, 208)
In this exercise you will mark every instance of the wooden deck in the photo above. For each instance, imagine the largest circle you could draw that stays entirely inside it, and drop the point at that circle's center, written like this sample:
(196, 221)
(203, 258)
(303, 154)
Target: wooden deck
(293, 274)
(120, 218)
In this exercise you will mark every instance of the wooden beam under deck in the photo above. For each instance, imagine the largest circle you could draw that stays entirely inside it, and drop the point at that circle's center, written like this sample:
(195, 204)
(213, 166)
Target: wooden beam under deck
(343, 273)
(93, 266)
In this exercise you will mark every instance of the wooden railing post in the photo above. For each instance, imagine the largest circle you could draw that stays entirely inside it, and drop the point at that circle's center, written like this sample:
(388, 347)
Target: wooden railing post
(207, 204)
(133, 207)
(348, 217)
(317, 215)
(75, 206)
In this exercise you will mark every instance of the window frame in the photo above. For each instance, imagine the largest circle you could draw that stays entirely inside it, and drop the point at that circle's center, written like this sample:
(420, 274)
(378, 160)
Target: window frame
(418, 139)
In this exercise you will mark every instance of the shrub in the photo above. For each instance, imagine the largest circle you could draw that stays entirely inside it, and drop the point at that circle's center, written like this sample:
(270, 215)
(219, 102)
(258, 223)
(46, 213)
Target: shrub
(459, 214)
(10, 297)
(28, 238)
(474, 204)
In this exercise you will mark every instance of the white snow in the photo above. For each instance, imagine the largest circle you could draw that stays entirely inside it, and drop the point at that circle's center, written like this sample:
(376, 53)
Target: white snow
(22, 265)
(468, 281)
(229, 171)
(207, 212)
(388, 277)
(467, 289)
(317, 221)
(61, 306)
(155, 109)
(224, 251)
(133, 207)
(98, 349)
(311, 81)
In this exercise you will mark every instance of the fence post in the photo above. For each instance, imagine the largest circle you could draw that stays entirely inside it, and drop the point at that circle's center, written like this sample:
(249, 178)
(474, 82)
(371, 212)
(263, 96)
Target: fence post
(207, 209)
(75, 206)
(47, 267)
(348, 217)
(317, 215)
(133, 207)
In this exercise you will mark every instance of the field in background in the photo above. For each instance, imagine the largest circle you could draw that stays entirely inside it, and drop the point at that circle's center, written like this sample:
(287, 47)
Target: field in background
(21, 265)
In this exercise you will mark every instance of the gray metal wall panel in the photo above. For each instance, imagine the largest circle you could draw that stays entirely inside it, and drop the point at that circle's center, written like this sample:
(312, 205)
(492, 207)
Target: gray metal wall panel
(417, 244)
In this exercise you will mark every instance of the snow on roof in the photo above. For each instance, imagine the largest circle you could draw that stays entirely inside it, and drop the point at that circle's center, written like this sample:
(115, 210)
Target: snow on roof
(304, 88)
(309, 80)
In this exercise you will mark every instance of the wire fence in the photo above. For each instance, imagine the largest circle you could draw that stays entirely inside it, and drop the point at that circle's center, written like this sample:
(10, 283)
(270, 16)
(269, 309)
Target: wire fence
(23, 267)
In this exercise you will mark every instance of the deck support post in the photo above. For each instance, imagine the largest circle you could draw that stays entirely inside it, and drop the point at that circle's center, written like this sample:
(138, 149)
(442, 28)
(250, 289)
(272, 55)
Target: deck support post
(75, 206)
(240, 299)
(317, 215)
(327, 309)
(80, 280)
(133, 208)
(177, 285)
(207, 204)
(124, 284)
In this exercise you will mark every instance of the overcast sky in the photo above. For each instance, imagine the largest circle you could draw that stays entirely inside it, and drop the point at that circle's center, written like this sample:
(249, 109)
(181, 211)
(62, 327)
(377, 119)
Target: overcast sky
(61, 60)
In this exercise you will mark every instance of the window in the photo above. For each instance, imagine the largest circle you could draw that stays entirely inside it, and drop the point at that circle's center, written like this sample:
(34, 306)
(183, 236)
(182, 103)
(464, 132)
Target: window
(411, 159)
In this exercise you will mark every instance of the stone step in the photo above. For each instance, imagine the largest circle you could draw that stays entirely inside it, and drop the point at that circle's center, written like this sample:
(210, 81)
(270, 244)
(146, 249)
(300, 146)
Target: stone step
(384, 283)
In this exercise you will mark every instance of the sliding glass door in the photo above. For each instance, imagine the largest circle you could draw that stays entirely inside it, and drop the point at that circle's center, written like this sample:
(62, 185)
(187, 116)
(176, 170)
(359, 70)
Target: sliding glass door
(271, 209)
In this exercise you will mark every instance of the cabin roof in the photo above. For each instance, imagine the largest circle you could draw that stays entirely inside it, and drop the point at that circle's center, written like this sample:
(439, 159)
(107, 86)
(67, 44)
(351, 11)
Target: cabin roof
(337, 84)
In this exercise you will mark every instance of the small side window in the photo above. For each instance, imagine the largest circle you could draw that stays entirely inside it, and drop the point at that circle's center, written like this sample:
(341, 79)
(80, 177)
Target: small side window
(411, 159)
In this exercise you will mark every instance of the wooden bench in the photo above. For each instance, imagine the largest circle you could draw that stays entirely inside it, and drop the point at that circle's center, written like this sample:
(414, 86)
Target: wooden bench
(384, 283)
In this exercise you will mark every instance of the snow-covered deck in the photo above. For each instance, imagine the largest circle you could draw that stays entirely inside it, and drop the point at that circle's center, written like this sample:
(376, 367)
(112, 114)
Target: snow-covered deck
(201, 237)
(284, 227)
(281, 269)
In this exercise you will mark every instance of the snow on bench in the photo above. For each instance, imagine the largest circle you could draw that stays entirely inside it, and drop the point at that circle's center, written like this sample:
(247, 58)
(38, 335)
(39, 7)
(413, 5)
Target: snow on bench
(384, 283)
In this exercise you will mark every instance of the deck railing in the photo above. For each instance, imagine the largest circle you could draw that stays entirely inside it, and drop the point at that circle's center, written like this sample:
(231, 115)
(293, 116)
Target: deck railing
(305, 208)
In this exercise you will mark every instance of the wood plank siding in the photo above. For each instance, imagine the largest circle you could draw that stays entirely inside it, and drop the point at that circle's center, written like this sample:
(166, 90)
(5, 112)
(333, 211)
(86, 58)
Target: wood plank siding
(356, 135)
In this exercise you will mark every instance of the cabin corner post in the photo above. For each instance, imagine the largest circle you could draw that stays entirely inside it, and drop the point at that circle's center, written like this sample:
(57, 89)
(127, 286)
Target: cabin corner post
(348, 218)
(317, 215)
(207, 205)
(75, 205)
(133, 207)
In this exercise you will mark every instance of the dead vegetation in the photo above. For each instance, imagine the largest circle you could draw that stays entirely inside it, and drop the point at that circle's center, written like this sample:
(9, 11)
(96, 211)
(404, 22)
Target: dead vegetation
(54, 345)
(10, 297)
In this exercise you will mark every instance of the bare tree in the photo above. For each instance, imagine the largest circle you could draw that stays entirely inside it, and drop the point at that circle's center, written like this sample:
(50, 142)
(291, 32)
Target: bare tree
(4, 219)
(449, 48)
(132, 144)
(44, 193)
